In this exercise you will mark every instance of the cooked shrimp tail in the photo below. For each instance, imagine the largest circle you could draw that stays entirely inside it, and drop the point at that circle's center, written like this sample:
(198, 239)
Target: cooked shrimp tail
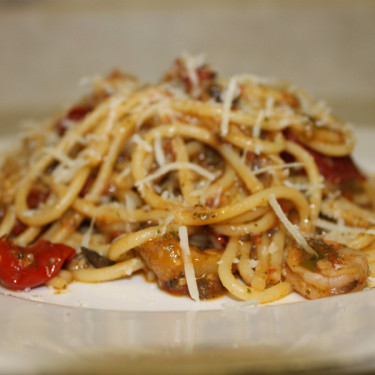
(335, 269)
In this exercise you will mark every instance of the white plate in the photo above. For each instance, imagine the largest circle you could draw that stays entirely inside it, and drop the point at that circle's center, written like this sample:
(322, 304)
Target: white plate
(132, 327)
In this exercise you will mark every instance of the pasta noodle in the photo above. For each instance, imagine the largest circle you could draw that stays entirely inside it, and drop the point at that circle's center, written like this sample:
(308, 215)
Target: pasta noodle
(205, 184)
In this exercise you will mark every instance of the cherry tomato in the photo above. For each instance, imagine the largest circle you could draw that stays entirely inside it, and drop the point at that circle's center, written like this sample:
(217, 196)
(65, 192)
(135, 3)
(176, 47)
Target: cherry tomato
(75, 114)
(28, 267)
(337, 170)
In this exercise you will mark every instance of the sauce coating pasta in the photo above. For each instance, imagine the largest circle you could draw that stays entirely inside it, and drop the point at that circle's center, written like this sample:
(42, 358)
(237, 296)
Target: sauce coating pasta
(207, 185)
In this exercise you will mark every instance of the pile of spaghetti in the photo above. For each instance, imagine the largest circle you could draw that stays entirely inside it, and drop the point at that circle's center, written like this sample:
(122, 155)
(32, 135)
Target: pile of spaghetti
(207, 185)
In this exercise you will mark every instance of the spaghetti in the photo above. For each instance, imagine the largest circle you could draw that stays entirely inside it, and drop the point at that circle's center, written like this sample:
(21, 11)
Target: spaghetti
(206, 185)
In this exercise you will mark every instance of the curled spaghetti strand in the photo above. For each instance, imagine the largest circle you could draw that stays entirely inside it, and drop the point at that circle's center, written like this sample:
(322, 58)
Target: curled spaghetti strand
(257, 174)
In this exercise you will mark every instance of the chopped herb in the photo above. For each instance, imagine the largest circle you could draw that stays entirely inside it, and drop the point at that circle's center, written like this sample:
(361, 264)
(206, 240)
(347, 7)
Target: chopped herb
(20, 255)
(203, 216)
(173, 233)
(248, 290)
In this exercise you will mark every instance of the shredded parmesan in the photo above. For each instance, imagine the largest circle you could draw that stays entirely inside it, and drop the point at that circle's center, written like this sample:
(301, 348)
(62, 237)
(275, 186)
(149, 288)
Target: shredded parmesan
(176, 166)
(162, 107)
(130, 202)
(113, 105)
(258, 149)
(258, 122)
(87, 236)
(303, 187)
(125, 172)
(167, 221)
(192, 63)
(158, 148)
(67, 168)
(229, 96)
(292, 229)
(325, 224)
(279, 166)
(272, 248)
(60, 156)
(188, 263)
(137, 139)
(270, 106)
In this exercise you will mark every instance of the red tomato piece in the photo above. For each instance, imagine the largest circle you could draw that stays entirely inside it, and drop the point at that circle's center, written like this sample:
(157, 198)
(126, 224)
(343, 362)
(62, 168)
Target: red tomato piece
(37, 196)
(29, 267)
(337, 170)
(75, 114)
(221, 239)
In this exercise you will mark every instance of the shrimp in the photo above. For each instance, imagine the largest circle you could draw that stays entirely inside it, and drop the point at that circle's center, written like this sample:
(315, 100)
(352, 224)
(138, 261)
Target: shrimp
(163, 256)
(335, 269)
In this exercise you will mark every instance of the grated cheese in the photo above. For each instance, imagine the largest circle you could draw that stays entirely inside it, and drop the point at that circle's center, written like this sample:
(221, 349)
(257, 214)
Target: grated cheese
(167, 221)
(340, 227)
(176, 166)
(125, 172)
(229, 95)
(113, 105)
(244, 155)
(68, 124)
(130, 202)
(59, 156)
(188, 263)
(67, 168)
(270, 106)
(292, 229)
(279, 166)
(303, 187)
(158, 148)
(272, 249)
(137, 139)
(162, 107)
(258, 149)
(192, 63)
(87, 236)
(258, 122)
